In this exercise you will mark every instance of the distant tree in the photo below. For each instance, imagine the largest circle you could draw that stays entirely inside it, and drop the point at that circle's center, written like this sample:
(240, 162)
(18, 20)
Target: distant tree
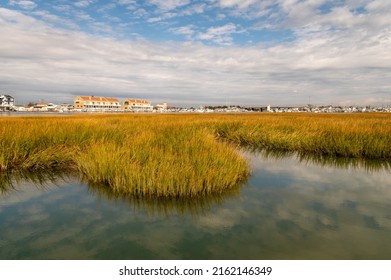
(30, 104)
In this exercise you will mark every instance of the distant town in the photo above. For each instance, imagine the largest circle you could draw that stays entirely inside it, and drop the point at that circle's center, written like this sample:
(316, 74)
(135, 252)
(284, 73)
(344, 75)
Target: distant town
(110, 104)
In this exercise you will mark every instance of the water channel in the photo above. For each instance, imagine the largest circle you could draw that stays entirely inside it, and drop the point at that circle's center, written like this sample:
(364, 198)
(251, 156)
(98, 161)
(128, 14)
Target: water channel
(290, 208)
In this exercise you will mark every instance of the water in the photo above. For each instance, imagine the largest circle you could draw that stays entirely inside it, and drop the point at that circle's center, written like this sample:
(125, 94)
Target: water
(27, 113)
(290, 208)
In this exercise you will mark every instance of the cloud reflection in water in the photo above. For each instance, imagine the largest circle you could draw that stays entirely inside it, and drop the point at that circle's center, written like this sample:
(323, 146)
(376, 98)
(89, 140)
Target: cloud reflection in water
(291, 208)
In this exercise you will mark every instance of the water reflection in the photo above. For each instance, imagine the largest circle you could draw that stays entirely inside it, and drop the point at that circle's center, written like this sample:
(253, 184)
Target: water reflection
(290, 208)
(78, 221)
(321, 211)
(165, 206)
(9, 182)
(322, 160)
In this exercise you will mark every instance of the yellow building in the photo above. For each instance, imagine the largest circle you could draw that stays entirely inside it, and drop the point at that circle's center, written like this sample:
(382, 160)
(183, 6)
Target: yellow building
(96, 103)
(138, 105)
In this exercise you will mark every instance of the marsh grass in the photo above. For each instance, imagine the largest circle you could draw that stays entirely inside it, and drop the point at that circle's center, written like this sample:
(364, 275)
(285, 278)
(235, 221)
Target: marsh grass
(133, 155)
(180, 155)
(360, 136)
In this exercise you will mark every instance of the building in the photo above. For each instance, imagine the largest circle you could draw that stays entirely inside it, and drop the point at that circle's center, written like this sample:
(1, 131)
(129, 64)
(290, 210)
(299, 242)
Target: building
(96, 103)
(162, 107)
(45, 107)
(137, 105)
(6, 102)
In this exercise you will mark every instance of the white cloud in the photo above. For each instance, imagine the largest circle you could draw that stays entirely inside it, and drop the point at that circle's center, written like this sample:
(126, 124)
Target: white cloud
(220, 16)
(188, 30)
(27, 5)
(54, 19)
(126, 2)
(378, 5)
(331, 66)
(140, 13)
(168, 5)
(194, 9)
(220, 34)
(162, 17)
(107, 7)
(19, 19)
(83, 3)
(172, 9)
(238, 3)
(63, 8)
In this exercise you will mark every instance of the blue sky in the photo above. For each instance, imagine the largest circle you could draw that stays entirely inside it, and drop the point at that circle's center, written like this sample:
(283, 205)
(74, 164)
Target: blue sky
(210, 22)
(191, 53)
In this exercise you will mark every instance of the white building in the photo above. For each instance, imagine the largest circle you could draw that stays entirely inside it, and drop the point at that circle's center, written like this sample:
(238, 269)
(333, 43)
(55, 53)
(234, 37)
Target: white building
(162, 107)
(6, 102)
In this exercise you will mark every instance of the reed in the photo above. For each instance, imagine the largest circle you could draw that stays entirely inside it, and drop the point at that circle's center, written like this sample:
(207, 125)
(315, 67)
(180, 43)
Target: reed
(180, 155)
(134, 155)
(361, 136)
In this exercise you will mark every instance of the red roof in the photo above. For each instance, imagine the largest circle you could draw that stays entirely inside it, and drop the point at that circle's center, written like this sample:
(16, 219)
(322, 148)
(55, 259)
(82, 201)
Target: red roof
(138, 101)
(97, 98)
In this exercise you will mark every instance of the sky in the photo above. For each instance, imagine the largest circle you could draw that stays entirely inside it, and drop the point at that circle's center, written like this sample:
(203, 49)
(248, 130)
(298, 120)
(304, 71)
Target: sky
(198, 53)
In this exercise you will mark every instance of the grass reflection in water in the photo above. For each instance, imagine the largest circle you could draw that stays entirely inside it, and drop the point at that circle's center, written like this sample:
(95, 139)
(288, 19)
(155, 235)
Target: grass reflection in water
(9, 183)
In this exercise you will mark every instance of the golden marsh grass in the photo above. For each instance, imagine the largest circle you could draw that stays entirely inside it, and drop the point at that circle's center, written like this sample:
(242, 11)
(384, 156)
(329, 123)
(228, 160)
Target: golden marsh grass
(359, 136)
(180, 155)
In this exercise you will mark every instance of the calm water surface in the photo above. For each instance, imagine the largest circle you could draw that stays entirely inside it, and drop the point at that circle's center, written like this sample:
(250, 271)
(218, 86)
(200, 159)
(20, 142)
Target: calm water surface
(289, 209)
